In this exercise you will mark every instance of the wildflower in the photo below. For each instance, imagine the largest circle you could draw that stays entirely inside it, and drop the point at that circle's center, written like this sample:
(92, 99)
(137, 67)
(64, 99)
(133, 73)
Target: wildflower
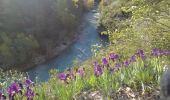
(28, 82)
(105, 61)
(81, 72)
(29, 94)
(156, 52)
(126, 63)
(113, 56)
(13, 89)
(116, 56)
(133, 58)
(141, 54)
(166, 52)
(117, 65)
(98, 70)
(62, 76)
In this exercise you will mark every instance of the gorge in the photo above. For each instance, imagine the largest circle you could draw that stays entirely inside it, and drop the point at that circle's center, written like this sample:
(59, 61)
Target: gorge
(80, 50)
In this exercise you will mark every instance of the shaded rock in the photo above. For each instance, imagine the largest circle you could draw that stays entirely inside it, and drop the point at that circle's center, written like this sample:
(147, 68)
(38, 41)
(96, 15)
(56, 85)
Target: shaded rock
(89, 95)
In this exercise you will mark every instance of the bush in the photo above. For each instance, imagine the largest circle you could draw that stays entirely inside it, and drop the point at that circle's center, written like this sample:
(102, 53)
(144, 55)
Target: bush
(28, 27)
(16, 48)
(137, 23)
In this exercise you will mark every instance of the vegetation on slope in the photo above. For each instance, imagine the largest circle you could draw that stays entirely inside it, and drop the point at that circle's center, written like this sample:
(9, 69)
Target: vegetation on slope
(137, 23)
(138, 53)
(36, 28)
(141, 72)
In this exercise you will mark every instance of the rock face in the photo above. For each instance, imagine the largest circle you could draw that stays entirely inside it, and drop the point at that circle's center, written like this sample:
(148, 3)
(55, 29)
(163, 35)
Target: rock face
(89, 95)
(165, 86)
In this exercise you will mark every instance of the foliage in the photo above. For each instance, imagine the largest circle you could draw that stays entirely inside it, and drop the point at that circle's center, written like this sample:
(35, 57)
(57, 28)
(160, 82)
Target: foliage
(137, 23)
(90, 3)
(15, 48)
(139, 74)
(31, 28)
(132, 25)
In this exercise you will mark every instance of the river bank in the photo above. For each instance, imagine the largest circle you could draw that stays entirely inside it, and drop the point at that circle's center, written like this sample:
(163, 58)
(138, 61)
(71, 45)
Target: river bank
(33, 31)
(55, 52)
(80, 50)
(52, 53)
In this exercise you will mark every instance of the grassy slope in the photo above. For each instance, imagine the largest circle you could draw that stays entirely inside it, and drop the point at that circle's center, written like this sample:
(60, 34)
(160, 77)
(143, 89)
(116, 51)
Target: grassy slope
(142, 76)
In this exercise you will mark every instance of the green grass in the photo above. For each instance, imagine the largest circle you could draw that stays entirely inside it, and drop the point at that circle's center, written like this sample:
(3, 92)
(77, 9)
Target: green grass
(139, 76)
(126, 36)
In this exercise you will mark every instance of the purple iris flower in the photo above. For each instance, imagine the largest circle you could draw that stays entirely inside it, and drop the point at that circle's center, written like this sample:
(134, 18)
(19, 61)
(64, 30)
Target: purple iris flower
(104, 61)
(113, 56)
(98, 70)
(141, 54)
(117, 65)
(133, 58)
(126, 63)
(166, 52)
(29, 94)
(156, 52)
(62, 76)
(81, 72)
(28, 82)
(13, 88)
(116, 56)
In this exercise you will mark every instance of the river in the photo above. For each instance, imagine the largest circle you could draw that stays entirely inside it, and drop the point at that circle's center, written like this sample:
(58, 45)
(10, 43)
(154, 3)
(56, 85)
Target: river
(80, 49)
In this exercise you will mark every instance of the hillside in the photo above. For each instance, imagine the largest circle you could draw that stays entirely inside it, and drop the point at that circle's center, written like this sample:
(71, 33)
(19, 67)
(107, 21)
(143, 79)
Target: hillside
(33, 31)
(129, 68)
